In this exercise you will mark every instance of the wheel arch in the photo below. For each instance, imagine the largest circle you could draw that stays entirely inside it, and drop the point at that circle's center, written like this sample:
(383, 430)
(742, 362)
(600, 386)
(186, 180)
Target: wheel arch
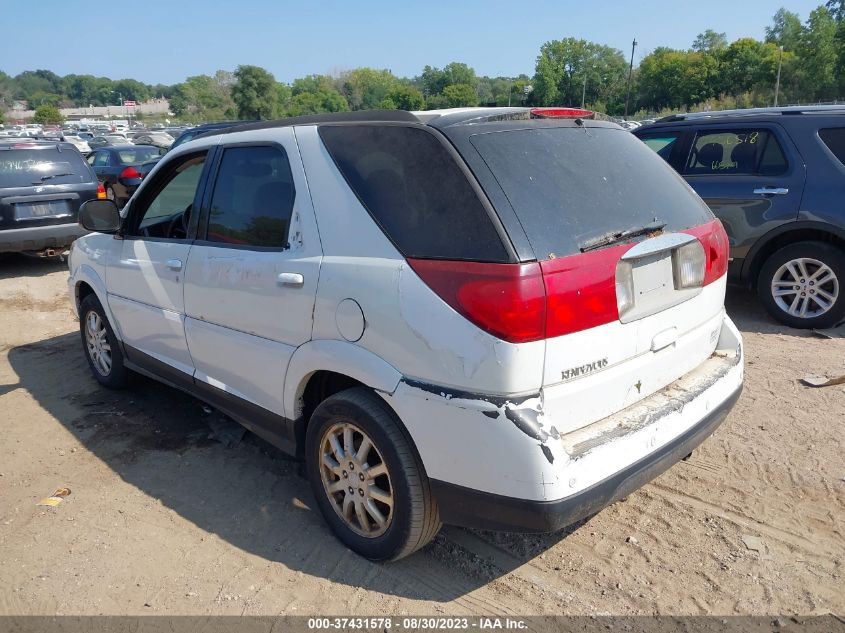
(86, 282)
(784, 235)
(319, 369)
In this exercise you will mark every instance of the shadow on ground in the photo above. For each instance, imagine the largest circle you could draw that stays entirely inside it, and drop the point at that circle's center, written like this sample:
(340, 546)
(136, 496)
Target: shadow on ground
(251, 495)
(16, 265)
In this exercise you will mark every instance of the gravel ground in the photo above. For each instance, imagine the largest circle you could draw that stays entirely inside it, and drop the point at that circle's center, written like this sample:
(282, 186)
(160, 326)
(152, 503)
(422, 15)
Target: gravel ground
(162, 519)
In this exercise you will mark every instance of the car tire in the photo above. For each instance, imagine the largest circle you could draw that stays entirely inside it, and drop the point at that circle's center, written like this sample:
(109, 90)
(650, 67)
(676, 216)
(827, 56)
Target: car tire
(411, 519)
(815, 269)
(102, 349)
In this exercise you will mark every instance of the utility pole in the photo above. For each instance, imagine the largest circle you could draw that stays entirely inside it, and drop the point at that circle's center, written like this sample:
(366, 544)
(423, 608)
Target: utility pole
(584, 91)
(630, 72)
(777, 81)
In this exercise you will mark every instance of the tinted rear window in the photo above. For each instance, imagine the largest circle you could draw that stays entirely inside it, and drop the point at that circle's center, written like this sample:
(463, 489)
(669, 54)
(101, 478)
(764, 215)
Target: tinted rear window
(834, 138)
(25, 167)
(415, 191)
(138, 155)
(568, 185)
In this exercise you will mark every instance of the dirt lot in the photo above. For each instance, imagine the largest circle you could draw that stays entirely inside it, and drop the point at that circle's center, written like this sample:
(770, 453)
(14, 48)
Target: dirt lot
(164, 520)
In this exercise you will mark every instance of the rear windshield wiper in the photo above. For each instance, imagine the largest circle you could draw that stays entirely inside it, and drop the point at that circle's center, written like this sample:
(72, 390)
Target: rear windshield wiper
(620, 236)
(47, 177)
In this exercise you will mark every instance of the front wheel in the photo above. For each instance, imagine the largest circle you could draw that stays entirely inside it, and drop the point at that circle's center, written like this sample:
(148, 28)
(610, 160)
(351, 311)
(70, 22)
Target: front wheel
(801, 285)
(102, 348)
(367, 478)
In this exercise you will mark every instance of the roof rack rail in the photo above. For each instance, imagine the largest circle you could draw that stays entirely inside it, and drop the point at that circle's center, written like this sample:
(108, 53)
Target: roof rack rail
(784, 110)
(331, 117)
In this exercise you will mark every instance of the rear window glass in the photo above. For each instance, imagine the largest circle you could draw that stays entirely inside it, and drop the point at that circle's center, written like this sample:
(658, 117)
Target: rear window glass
(568, 185)
(138, 155)
(49, 166)
(834, 138)
(415, 191)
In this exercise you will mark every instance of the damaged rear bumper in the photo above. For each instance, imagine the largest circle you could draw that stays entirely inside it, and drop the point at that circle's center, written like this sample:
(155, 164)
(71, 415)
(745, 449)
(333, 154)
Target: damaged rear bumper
(482, 510)
(498, 462)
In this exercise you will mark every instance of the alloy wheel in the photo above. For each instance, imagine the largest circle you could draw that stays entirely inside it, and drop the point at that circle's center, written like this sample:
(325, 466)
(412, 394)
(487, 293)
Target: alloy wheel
(97, 343)
(805, 287)
(356, 479)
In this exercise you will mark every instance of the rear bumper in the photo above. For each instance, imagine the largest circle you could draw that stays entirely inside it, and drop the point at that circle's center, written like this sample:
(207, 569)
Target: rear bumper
(482, 510)
(37, 238)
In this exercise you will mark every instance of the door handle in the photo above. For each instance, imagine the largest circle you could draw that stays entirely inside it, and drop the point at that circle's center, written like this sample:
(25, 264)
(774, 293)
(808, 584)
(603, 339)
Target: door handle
(291, 279)
(174, 264)
(772, 191)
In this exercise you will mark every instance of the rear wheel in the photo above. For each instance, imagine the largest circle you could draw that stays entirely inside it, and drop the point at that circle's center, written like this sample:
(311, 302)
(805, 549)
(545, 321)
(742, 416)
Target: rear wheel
(367, 478)
(801, 285)
(101, 346)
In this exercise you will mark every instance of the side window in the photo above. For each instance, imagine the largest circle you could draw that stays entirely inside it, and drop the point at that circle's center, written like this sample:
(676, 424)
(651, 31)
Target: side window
(102, 159)
(415, 191)
(253, 198)
(834, 138)
(661, 142)
(166, 204)
(736, 152)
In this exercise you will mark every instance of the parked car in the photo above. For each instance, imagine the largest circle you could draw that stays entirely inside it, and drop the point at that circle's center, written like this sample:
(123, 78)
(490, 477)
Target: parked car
(77, 142)
(479, 317)
(117, 167)
(105, 141)
(776, 179)
(42, 185)
(156, 139)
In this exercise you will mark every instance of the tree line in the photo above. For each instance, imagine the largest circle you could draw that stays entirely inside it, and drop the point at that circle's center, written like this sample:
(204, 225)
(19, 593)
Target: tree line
(712, 73)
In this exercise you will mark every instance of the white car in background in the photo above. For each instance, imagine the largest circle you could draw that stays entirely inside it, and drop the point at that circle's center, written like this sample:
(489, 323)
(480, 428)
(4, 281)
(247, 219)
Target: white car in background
(487, 317)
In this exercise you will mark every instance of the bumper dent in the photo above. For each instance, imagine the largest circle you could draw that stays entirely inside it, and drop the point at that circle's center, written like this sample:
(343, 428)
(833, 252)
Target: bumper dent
(482, 510)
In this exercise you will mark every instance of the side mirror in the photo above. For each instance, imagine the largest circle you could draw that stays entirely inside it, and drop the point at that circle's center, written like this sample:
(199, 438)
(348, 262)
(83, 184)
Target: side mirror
(99, 215)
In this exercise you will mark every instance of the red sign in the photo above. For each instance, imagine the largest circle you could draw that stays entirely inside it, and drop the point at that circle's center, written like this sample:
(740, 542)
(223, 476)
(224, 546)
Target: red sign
(130, 104)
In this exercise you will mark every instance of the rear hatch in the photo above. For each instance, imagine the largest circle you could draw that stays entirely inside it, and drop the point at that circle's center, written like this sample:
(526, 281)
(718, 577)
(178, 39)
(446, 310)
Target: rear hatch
(632, 260)
(42, 184)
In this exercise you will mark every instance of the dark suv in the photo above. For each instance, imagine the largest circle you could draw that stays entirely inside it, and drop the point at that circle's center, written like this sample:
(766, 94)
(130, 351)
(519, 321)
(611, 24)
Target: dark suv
(776, 179)
(42, 186)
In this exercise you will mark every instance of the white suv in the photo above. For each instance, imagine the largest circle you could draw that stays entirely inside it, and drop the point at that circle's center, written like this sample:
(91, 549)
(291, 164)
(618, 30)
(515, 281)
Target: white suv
(494, 318)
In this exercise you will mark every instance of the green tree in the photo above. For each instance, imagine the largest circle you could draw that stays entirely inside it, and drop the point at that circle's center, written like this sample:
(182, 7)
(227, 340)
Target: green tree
(460, 95)
(203, 97)
(710, 41)
(317, 103)
(786, 30)
(367, 88)
(817, 54)
(564, 65)
(254, 93)
(47, 114)
(404, 97)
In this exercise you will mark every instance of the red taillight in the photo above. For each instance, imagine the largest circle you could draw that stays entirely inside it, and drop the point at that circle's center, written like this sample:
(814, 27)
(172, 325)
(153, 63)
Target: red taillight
(101, 191)
(529, 302)
(562, 113)
(716, 248)
(581, 290)
(130, 172)
(506, 300)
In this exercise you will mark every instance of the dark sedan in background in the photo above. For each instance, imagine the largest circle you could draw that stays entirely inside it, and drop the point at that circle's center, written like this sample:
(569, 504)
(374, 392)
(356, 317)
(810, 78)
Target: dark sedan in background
(42, 186)
(118, 167)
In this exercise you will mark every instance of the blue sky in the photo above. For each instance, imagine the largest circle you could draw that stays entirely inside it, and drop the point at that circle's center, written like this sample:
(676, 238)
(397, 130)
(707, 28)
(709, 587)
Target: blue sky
(165, 41)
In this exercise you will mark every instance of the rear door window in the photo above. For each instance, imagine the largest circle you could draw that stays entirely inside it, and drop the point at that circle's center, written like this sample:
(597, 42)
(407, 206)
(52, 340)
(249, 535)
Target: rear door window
(24, 167)
(415, 191)
(834, 138)
(661, 142)
(747, 152)
(568, 185)
(253, 196)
